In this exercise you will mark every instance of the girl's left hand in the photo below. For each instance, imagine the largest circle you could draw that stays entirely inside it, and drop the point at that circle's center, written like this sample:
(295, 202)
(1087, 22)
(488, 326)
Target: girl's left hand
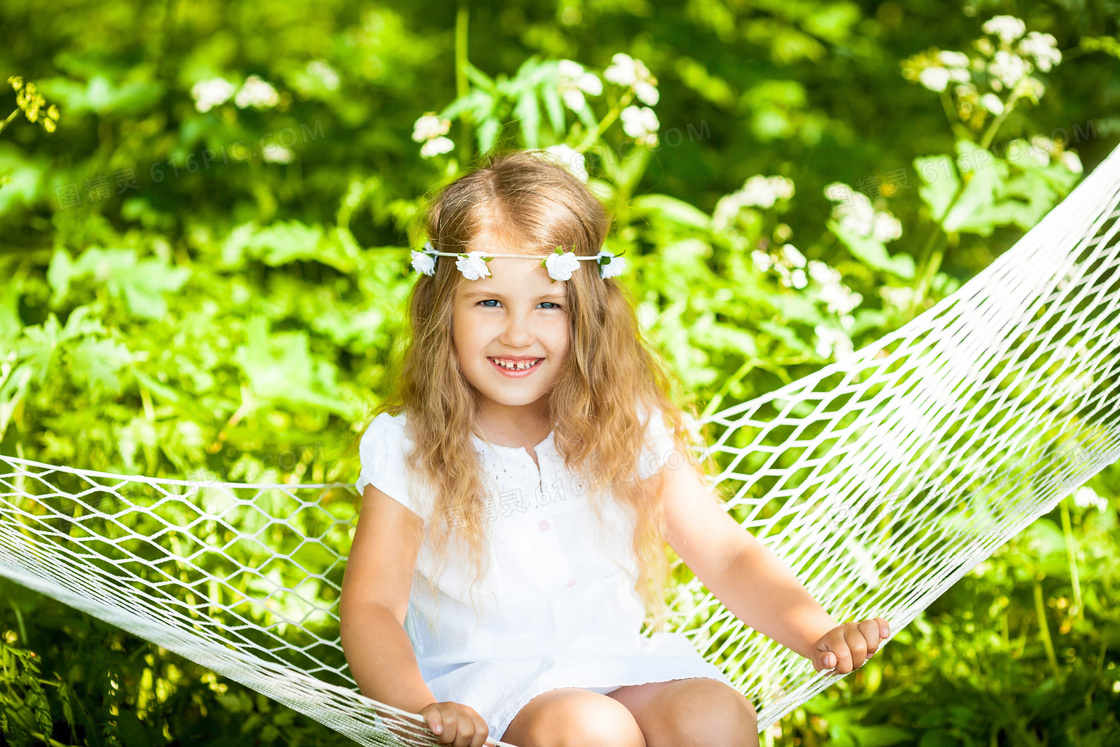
(848, 646)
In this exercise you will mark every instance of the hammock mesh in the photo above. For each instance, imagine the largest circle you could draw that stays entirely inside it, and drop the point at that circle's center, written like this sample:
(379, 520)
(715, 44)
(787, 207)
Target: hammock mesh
(880, 480)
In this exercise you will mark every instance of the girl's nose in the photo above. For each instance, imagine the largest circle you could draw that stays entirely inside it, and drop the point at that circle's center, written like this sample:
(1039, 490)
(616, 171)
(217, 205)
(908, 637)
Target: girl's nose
(518, 332)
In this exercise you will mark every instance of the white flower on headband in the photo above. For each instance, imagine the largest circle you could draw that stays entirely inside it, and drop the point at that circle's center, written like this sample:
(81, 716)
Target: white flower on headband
(560, 264)
(473, 265)
(610, 265)
(424, 262)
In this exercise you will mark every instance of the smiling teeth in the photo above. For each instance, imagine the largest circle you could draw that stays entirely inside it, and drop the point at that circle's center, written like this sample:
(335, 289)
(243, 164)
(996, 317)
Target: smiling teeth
(516, 366)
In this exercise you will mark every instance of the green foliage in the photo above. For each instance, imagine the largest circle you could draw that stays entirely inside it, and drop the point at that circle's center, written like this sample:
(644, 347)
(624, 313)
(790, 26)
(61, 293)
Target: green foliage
(205, 258)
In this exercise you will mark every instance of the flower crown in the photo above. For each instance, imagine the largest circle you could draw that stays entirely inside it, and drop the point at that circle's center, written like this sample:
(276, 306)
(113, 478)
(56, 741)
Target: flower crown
(560, 264)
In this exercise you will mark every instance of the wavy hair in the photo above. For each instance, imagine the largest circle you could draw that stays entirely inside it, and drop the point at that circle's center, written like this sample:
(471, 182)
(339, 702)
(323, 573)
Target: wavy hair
(534, 203)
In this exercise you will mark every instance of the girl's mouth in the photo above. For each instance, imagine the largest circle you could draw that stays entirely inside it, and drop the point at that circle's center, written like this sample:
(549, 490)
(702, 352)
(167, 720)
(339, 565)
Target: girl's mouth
(514, 373)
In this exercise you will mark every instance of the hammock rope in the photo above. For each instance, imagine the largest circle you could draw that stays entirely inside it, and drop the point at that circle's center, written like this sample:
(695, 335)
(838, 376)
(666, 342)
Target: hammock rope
(880, 480)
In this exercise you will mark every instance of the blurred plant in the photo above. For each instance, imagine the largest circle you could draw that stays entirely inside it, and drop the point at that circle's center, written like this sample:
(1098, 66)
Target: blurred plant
(25, 710)
(993, 82)
(555, 84)
(255, 92)
(31, 103)
(979, 190)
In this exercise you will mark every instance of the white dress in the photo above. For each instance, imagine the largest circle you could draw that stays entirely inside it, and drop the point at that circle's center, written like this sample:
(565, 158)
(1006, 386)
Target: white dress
(557, 605)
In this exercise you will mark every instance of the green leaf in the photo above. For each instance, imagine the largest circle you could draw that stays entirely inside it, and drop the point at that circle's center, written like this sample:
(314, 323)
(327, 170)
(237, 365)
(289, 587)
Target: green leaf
(98, 361)
(142, 283)
(555, 108)
(132, 732)
(59, 274)
(479, 78)
(939, 183)
(283, 242)
(786, 334)
(873, 252)
(280, 369)
(973, 210)
(476, 101)
(528, 111)
(664, 207)
(488, 133)
(10, 324)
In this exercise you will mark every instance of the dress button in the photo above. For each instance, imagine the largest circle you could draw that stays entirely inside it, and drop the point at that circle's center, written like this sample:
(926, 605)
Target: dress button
(544, 525)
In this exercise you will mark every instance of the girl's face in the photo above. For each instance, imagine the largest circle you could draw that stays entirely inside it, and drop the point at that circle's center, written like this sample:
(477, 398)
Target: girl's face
(518, 313)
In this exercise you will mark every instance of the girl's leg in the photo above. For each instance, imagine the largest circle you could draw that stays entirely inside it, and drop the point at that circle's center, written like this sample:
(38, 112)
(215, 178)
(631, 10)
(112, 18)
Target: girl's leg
(691, 712)
(573, 717)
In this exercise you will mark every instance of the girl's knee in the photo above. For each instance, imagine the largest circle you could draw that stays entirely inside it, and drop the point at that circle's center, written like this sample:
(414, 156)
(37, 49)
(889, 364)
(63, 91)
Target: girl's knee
(711, 712)
(574, 717)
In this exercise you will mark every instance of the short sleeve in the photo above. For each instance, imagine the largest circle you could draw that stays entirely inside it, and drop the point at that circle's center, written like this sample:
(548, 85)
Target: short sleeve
(382, 451)
(659, 447)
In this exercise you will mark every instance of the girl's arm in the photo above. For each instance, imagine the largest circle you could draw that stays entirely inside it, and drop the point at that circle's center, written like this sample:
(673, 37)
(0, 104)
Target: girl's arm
(745, 575)
(374, 600)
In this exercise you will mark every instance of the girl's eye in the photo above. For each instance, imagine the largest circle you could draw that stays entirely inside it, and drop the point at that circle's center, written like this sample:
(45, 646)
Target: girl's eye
(551, 304)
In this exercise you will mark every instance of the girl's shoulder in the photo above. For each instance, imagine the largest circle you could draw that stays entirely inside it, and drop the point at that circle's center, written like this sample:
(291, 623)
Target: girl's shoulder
(382, 451)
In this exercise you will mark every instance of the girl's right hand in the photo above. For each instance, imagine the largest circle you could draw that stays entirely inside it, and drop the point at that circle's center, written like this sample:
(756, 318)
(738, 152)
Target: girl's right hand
(455, 724)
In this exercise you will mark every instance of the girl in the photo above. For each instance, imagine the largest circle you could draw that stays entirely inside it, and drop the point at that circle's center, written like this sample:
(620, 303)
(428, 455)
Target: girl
(518, 493)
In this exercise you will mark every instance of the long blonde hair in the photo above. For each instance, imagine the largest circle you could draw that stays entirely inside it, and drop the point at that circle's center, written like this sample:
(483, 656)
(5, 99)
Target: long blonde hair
(535, 204)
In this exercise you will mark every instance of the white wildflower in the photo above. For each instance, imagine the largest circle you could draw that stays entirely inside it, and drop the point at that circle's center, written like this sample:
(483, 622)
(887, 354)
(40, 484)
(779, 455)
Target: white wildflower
(959, 75)
(430, 126)
(256, 92)
(640, 123)
(764, 191)
(1043, 48)
(473, 266)
(992, 103)
(1070, 160)
(277, 154)
(727, 209)
(570, 157)
(859, 218)
(840, 192)
(832, 341)
(435, 146)
(211, 92)
(798, 279)
(324, 73)
(1007, 28)
(1008, 68)
(783, 274)
(886, 227)
(646, 92)
(949, 58)
(934, 78)
(822, 273)
(839, 298)
(1032, 88)
(573, 82)
(1086, 497)
(761, 260)
(792, 255)
(899, 297)
(627, 71)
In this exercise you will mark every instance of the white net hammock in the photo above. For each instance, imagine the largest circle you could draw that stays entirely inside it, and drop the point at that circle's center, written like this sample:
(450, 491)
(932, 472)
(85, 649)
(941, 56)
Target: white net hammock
(880, 480)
